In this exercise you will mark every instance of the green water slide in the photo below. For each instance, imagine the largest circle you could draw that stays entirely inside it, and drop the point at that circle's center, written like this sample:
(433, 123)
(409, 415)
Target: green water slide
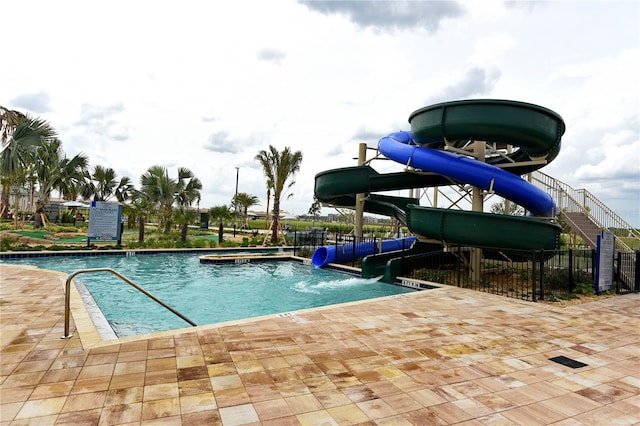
(436, 133)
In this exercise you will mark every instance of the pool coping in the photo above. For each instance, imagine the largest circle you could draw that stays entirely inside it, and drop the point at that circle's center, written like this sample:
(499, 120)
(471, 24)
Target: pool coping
(6, 255)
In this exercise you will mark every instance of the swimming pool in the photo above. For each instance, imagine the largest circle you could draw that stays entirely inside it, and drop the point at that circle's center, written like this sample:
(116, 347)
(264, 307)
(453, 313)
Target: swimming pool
(207, 293)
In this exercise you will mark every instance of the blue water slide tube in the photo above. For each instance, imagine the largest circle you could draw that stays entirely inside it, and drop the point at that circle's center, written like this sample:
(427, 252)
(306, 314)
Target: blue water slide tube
(399, 147)
(327, 254)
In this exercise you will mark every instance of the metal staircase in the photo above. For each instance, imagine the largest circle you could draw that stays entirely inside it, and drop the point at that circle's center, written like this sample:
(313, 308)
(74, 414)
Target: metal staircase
(587, 216)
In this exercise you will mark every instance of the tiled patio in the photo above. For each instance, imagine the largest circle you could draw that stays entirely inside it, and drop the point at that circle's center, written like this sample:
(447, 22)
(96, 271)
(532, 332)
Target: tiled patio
(444, 356)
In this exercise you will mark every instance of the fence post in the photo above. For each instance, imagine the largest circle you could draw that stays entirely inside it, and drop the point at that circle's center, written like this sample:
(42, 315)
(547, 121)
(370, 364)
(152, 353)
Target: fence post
(636, 286)
(571, 283)
(295, 241)
(618, 271)
(541, 295)
(353, 249)
(593, 264)
(533, 277)
(458, 265)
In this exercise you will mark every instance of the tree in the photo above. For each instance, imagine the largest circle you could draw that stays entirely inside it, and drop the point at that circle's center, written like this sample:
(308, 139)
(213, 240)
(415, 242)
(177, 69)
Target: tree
(54, 171)
(163, 191)
(220, 214)
(278, 167)
(125, 189)
(183, 217)
(245, 201)
(103, 184)
(21, 135)
(140, 209)
(100, 184)
(159, 188)
(188, 189)
(514, 209)
(315, 209)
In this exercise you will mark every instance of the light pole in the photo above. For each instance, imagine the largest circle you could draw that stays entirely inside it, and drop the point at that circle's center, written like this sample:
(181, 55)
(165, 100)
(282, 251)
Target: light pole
(237, 175)
(235, 202)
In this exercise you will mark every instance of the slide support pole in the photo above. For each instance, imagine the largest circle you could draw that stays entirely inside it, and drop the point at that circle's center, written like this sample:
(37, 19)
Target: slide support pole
(477, 205)
(362, 158)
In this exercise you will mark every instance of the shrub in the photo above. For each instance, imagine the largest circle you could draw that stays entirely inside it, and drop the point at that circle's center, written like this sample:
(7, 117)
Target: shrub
(198, 243)
(304, 252)
(585, 288)
(7, 243)
(430, 275)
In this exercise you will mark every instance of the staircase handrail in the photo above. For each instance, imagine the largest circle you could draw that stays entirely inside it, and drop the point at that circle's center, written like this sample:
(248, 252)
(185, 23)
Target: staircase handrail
(569, 199)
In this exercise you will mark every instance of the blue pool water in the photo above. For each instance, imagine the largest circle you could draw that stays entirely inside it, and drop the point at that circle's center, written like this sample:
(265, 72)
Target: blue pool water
(207, 293)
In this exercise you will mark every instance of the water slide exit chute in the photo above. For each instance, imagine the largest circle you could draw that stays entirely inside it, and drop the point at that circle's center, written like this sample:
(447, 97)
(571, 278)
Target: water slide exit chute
(346, 252)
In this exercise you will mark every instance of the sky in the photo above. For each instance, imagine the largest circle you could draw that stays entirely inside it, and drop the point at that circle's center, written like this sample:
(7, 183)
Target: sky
(207, 85)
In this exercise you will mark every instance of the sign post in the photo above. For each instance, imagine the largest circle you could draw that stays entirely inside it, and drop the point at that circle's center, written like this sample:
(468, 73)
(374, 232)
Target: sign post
(104, 222)
(604, 261)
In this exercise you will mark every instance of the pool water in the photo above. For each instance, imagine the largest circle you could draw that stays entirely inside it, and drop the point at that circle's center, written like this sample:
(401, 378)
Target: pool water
(207, 293)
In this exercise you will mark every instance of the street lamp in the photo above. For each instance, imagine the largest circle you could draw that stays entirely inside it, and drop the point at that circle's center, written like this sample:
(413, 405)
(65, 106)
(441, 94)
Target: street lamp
(237, 175)
(235, 202)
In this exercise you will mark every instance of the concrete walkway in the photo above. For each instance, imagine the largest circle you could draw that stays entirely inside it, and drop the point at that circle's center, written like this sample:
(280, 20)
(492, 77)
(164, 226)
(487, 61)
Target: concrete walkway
(444, 356)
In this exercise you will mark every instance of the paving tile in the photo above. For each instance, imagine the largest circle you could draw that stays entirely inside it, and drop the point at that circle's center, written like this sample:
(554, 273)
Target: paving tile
(197, 402)
(316, 418)
(121, 414)
(159, 408)
(41, 407)
(434, 357)
(238, 415)
(272, 409)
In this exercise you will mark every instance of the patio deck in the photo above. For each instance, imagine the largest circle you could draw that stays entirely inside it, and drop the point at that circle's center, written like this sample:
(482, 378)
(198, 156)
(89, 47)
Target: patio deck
(443, 356)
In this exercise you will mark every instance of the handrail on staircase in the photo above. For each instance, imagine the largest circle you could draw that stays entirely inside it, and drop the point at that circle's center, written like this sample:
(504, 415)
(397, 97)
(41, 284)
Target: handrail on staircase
(67, 296)
(582, 201)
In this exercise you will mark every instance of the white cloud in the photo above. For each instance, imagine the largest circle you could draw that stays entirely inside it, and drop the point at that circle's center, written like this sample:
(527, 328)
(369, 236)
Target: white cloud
(134, 84)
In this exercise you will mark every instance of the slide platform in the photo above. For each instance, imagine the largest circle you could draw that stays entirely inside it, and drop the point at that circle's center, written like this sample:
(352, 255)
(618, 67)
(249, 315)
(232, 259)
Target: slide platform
(535, 132)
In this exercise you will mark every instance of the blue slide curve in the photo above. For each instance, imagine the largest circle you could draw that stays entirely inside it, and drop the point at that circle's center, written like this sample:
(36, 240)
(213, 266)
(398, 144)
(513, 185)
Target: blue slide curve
(399, 147)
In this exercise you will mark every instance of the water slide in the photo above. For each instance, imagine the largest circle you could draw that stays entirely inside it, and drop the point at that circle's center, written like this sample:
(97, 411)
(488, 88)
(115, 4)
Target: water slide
(348, 252)
(433, 149)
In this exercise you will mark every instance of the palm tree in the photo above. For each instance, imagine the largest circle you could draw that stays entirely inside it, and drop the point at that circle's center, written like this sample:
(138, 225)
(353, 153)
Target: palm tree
(20, 136)
(183, 216)
(278, 167)
(103, 184)
(220, 214)
(188, 189)
(164, 191)
(140, 209)
(159, 188)
(244, 201)
(54, 171)
(125, 189)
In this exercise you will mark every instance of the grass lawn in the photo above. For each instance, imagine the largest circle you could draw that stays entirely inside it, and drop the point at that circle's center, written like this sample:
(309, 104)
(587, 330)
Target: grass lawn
(41, 236)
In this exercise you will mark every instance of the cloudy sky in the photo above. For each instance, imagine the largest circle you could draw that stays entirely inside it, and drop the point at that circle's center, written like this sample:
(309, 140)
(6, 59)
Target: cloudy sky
(206, 85)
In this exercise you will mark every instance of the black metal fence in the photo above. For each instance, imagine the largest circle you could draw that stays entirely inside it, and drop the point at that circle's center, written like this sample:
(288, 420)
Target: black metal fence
(347, 247)
(628, 272)
(529, 275)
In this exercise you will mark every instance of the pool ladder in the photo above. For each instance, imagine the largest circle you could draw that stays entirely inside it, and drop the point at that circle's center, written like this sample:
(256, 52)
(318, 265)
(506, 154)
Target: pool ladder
(67, 296)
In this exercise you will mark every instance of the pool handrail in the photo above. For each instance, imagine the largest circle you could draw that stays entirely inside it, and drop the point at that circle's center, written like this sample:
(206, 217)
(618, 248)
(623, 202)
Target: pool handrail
(67, 296)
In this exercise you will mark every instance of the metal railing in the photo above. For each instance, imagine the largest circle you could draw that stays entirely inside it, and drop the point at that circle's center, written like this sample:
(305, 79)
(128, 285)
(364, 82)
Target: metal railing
(67, 296)
(582, 201)
(528, 275)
